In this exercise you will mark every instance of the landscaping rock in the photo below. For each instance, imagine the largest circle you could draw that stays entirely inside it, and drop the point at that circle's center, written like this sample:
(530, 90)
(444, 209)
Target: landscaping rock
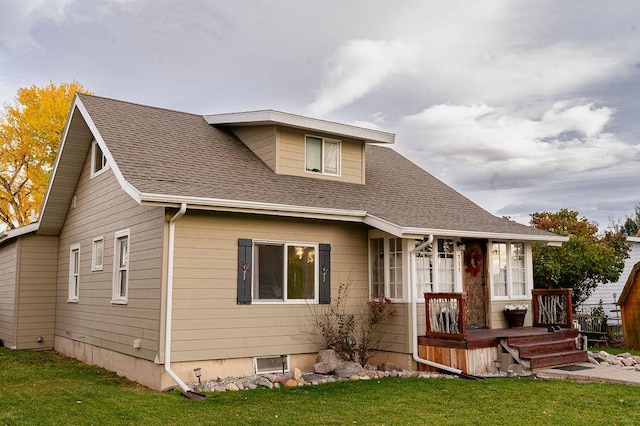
(329, 356)
(389, 366)
(348, 369)
(323, 367)
(290, 383)
(232, 387)
(264, 382)
(297, 374)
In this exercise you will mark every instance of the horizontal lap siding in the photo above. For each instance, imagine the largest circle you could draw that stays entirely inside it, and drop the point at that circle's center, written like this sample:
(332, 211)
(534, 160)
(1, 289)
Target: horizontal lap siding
(291, 151)
(207, 321)
(261, 140)
(37, 291)
(103, 208)
(8, 259)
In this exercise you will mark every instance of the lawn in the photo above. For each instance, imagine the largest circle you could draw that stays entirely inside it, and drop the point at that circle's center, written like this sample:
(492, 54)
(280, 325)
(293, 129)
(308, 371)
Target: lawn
(47, 388)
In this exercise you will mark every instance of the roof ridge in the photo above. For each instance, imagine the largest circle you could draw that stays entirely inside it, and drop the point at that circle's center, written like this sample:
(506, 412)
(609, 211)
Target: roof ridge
(139, 104)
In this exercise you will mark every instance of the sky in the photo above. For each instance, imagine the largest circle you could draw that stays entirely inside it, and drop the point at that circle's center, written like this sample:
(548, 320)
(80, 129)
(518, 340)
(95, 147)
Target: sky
(523, 106)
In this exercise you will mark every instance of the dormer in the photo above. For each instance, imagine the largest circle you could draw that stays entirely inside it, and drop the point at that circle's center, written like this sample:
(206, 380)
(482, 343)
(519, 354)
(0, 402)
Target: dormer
(302, 146)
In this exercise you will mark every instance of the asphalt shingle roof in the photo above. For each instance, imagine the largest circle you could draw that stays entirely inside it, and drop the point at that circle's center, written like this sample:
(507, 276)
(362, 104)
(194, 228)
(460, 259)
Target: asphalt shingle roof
(178, 154)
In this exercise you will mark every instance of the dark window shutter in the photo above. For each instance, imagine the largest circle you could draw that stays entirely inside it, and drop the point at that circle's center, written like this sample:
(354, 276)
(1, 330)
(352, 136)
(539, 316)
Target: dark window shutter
(245, 270)
(325, 274)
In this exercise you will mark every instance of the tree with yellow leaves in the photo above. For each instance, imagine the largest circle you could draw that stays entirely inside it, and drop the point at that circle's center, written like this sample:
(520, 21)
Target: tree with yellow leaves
(30, 133)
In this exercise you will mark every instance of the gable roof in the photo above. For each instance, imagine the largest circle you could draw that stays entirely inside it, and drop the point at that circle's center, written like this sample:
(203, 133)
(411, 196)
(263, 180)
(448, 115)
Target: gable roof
(630, 281)
(167, 157)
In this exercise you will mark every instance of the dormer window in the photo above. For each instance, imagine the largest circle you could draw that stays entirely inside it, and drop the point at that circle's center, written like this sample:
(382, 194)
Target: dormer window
(98, 160)
(322, 155)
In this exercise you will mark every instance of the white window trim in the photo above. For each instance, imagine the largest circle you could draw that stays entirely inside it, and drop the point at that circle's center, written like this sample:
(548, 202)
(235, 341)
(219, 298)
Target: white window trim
(406, 264)
(457, 258)
(316, 274)
(528, 272)
(116, 298)
(94, 152)
(322, 172)
(74, 291)
(95, 266)
(275, 370)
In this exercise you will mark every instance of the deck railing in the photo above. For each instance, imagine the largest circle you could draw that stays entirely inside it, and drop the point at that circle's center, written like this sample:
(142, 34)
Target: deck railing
(552, 306)
(445, 315)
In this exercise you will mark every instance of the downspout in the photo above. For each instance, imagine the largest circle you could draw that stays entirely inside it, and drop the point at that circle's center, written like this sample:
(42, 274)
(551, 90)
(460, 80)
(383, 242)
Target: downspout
(168, 319)
(414, 313)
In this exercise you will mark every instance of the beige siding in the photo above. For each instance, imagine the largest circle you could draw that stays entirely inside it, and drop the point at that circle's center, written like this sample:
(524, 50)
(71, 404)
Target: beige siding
(497, 315)
(103, 208)
(8, 259)
(36, 291)
(291, 149)
(261, 140)
(208, 322)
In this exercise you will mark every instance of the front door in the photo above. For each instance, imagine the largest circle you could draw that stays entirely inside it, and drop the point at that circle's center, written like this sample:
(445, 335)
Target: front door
(474, 283)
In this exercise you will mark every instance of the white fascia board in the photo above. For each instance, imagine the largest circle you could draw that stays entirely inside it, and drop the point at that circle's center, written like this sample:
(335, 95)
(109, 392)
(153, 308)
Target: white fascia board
(13, 233)
(416, 233)
(124, 184)
(253, 207)
(633, 239)
(551, 238)
(57, 160)
(271, 117)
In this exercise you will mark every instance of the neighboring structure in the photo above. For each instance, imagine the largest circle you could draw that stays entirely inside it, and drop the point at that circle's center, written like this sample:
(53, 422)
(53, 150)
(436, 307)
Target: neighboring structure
(183, 241)
(629, 302)
(609, 293)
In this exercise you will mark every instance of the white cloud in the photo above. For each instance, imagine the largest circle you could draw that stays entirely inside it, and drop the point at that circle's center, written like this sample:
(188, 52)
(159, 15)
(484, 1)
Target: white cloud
(501, 149)
(360, 66)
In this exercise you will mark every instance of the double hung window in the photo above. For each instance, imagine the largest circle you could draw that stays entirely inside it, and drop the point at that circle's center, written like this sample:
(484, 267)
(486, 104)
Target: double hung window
(508, 270)
(386, 267)
(121, 267)
(74, 273)
(435, 267)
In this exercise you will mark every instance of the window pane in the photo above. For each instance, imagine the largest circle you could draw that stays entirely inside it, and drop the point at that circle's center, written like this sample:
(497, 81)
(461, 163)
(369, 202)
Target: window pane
(424, 271)
(300, 272)
(395, 268)
(269, 280)
(123, 283)
(518, 286)
(499, 268)
(314, 154)
(331, 157)
(124, 251)
(377, 267)
(446, 266)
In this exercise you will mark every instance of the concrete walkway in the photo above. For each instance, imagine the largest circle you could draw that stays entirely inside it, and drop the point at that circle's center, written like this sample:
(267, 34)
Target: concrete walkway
(591, 373)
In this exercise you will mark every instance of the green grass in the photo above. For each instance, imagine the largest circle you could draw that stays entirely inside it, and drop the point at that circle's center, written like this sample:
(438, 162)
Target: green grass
(614, 351)
(43, 388)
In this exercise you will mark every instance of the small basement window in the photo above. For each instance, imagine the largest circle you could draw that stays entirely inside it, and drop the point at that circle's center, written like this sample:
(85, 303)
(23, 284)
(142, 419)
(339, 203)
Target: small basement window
(271, 364)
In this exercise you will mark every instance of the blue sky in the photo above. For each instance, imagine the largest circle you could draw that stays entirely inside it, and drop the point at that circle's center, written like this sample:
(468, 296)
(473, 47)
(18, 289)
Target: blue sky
(522, 106)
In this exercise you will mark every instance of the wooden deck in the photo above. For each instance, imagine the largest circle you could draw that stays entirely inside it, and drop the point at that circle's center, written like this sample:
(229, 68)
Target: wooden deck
(476, 353)
(482, 338)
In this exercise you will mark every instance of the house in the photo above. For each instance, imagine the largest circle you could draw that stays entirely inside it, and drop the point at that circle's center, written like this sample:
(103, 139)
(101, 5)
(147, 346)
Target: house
(609, 293)
(629, 303)
(170, 241)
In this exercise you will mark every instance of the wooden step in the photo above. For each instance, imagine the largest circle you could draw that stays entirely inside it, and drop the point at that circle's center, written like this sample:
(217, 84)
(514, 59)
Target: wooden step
(565, 333)
(541, 348)
(559, 358)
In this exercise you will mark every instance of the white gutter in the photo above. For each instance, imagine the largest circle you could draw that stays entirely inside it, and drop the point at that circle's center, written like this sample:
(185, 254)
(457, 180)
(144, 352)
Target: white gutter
(414, 314)
(168, 319)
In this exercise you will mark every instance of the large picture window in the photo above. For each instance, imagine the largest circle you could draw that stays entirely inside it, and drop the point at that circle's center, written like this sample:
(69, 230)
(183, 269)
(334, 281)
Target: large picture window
(508, 269)
(285, 272)
(322, 155)
(121, 267)
(386, 267)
